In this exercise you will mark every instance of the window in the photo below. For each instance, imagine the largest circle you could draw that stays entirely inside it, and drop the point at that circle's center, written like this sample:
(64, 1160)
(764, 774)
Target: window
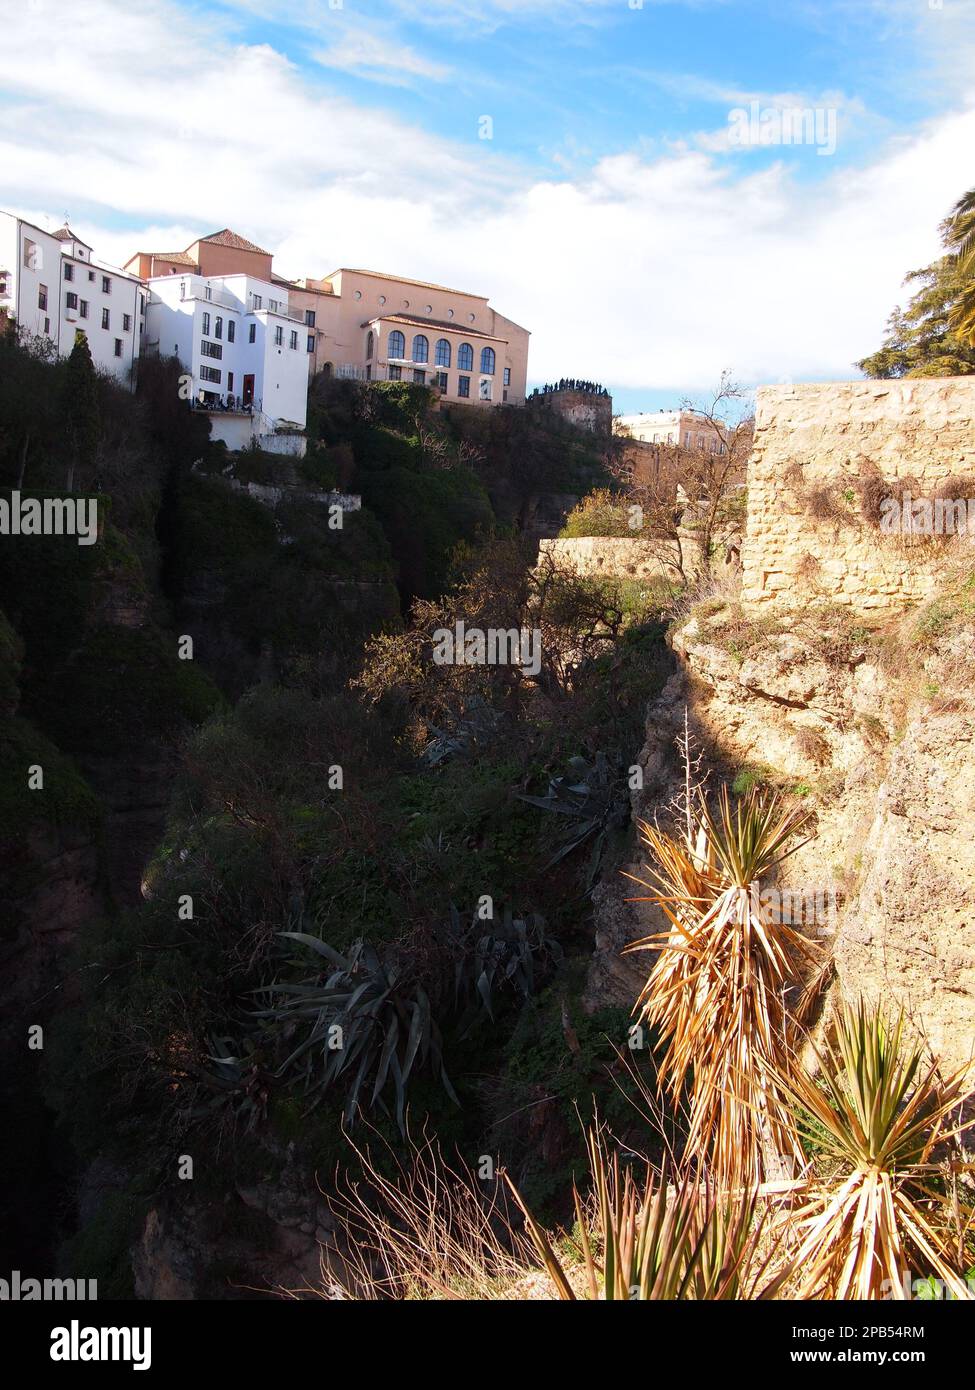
(293, 340)
(421, 348)
(487, 361)
(396, 373)
(210, 374)
(118, 347)
(214, 350)
(83, 308)
(465, 357)
(442, 381)
(419, 377)
(126, 323)
(71, 300)
(687, 439)
(218, 327)
(47, 326)
(397, 345)
(142, 304)
(252, 333)
(68, 267)
(258, 301)
(463, 386)
(274, 305)
(91, 277)
(31, 261)
(106, 284)
(206, 325)
(208, 291)
(278, 336)
(309, 318)
(106, 319)
(370, 343)
(230, 381)
(486, 389)
(507, 376)
(231, 330)
(441, 354)
(310, 343)
(42, 296)
(369, 372)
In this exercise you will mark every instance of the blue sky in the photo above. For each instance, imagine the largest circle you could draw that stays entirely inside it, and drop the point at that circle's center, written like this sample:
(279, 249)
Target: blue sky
(612, 210)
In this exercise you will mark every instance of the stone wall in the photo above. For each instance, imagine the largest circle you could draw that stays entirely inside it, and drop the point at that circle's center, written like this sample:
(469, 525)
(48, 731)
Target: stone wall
(823, 455)
(582, 408)
(614, 556)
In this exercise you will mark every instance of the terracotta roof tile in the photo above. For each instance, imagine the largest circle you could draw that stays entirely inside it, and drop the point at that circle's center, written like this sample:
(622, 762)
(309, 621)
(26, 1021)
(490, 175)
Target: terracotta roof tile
(229, 238)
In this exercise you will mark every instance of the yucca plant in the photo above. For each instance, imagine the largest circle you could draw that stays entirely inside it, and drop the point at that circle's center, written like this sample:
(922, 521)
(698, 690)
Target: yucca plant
(640, 1238)
(878, 1117)
(716, 995)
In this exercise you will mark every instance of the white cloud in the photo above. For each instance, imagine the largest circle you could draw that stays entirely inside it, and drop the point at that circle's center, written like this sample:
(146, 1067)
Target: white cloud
(365, 54)
(641, 271)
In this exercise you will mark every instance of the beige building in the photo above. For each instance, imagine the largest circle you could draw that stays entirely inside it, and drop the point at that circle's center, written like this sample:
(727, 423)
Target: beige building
(371, 326)
(688, 429)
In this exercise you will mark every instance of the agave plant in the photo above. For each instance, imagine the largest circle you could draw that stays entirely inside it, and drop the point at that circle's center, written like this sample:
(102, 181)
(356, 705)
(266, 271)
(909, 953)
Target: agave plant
(491, 956)
(640, 1238)
(716, 994)
(593, 797)
(367, 1026)
(880, 1218)
(372, 1024)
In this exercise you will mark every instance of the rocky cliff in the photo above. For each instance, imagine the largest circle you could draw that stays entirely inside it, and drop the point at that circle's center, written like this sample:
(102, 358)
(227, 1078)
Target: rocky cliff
(855, 698)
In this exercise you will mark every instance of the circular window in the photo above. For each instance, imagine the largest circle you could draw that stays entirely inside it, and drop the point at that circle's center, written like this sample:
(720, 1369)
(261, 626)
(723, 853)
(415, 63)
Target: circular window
(358, 294)
(429, 308)
(472, 317)
(382, 299)
(450, 313)
(406, 303)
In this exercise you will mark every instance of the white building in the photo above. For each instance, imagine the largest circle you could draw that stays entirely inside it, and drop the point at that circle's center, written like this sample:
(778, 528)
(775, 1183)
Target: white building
(245, 350)
(688, 429)
(53, 287)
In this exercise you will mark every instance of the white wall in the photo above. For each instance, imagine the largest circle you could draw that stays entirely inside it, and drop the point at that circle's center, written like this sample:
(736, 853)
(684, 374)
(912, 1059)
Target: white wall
(176, 325)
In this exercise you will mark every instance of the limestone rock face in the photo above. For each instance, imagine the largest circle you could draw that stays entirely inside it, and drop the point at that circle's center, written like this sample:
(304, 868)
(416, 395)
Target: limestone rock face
(891, 787)
(908, 938)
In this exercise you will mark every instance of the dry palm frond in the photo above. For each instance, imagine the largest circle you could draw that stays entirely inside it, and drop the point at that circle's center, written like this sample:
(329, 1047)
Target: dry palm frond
(645, 1239)
(716, 994)
(879, 1118)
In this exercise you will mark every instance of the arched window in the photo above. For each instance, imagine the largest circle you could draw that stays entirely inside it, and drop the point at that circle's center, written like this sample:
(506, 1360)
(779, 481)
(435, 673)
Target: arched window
(442, 353)
(487, 361)
(370, 343)
(421, 348)
(465, 358)
(397, 345)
